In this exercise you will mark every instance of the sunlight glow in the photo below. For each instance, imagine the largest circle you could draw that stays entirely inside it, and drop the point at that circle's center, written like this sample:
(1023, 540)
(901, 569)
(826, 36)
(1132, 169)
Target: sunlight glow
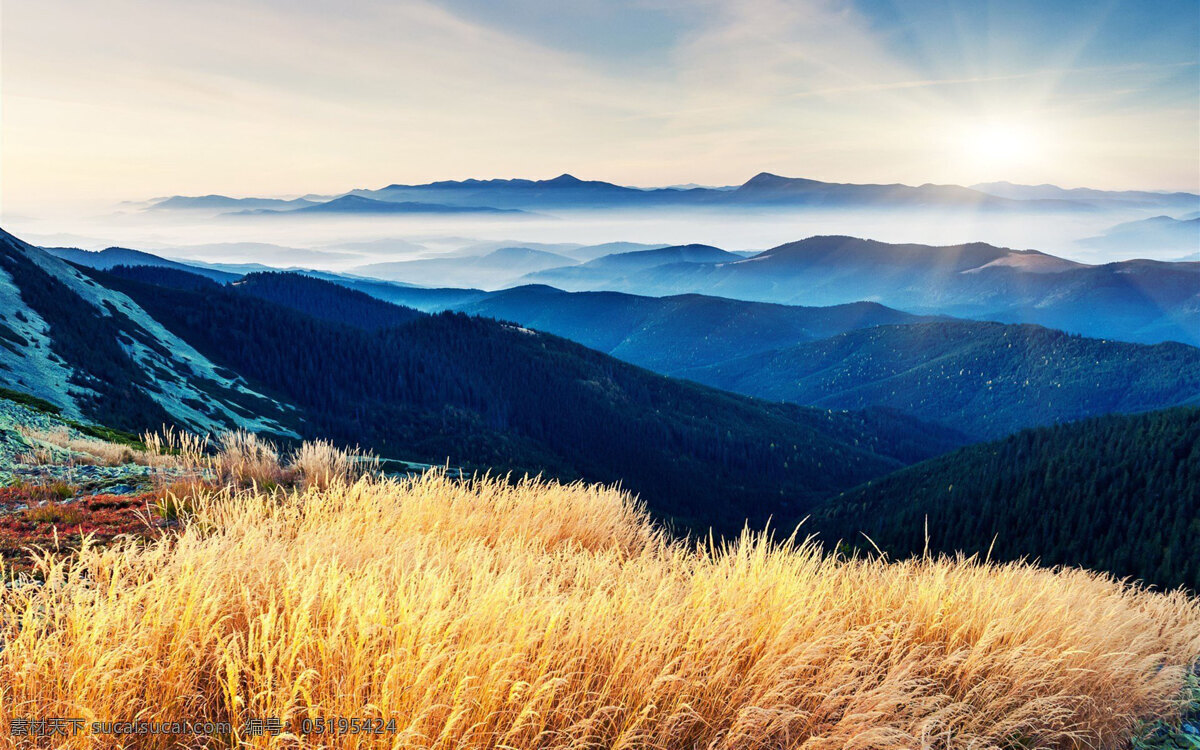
(1003, 142)
(1001, 145)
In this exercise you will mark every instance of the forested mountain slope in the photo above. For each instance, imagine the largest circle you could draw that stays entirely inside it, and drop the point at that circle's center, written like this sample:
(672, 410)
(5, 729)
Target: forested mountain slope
(1115, 493)
(987, 379)
(672, 334)
(1135, 300)
(324, 300)
(483, 394)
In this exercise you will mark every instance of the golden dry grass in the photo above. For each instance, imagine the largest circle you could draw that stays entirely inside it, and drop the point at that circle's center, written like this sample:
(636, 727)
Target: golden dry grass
(243, 459)
(73, 449)
(321, 464)
(178, 448)
(484, 615)
(237, 458)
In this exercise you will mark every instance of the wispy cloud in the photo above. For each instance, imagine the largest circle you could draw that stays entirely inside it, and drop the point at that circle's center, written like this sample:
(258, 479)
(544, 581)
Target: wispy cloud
(131, 98)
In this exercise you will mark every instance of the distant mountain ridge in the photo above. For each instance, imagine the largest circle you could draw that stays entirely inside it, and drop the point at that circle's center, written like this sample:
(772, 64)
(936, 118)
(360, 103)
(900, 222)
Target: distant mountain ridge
(1157, 233)
(672, 334)
(358, 204)
(764, 189)
(120, 256)
(565, 192)
(1119, 197)
(767, 188)
(1140, 300)
(493, 269)
(694, 253)
(986, 379)
(224, 202)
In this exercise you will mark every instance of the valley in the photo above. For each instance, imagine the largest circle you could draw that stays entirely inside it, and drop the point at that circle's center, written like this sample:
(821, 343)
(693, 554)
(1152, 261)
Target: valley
(842, 396)
(489, 396)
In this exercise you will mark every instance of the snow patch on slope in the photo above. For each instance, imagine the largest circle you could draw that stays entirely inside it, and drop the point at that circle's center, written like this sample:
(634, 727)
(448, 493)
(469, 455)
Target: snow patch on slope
(32, 367)
(180, 374)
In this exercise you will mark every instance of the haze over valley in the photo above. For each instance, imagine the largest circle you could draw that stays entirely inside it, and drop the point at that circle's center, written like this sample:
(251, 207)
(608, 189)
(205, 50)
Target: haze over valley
(1086, 226)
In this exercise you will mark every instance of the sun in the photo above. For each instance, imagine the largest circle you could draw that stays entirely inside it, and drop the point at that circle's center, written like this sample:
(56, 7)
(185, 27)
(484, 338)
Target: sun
(1002, 142)
(1000, 145)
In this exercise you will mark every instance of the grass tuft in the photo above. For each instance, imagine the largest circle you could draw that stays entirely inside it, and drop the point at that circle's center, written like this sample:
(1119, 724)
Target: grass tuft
(53, 513)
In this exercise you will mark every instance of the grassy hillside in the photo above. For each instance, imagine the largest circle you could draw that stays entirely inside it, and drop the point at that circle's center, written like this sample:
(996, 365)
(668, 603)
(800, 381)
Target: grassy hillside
(485, 395)
(487, 616)
(986, 379)
(1116, 493)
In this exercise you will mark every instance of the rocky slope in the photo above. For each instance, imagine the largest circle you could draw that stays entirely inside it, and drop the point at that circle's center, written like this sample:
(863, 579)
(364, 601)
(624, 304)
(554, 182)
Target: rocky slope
(82, 347)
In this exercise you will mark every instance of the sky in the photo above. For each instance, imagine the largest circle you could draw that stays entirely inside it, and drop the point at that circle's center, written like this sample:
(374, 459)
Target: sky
(102, 102)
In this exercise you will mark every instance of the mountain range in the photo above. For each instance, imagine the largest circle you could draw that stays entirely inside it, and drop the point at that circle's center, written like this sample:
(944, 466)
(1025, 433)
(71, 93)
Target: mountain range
(214, 257)
(764, 190)
(638, 260)
(142, 343)
(1136, 300)
(496, 268)
(120, 256)
(225, 203)
(1140, 301)
(358, 204)
(1108, 198)
(986, 379)
(135, 348)
(1157, 233)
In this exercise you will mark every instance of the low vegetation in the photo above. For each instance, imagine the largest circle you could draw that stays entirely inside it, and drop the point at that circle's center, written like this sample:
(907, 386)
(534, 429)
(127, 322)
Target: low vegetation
(57, 511)
(30, 401)
(36, 519)
(63, 445)
(494, 614)
(236, 458)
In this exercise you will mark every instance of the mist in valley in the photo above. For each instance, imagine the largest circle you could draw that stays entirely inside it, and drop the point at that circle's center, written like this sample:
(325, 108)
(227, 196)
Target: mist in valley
(347, 244)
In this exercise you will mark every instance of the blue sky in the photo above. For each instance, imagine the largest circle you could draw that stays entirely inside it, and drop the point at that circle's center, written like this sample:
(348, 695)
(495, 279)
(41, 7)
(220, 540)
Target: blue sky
(134, 98)
(942, 37)
(1031, 34)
